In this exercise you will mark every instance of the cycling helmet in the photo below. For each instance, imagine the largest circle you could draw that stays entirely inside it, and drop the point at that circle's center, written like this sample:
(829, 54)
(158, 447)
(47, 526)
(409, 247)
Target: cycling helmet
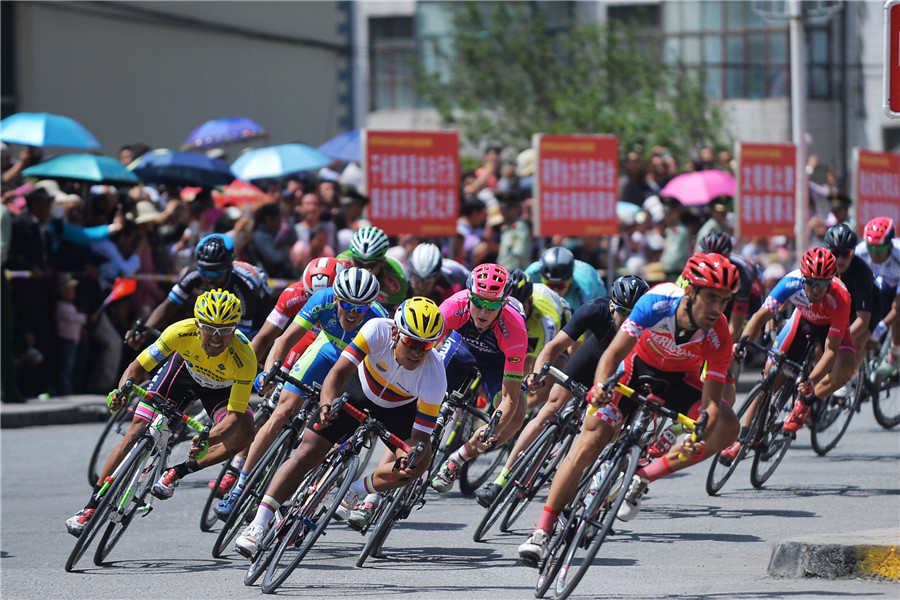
(557, 264)
(879, 231)
(710, 270)
(320, 273)
(215, 252)
(369, 243)
(626, 290)
(425, 261)
(419, 318)
(219, 307)
(520, 285)
(717, 242)
(818, 263)
(489, 281)
(356, 286)
(840, 238)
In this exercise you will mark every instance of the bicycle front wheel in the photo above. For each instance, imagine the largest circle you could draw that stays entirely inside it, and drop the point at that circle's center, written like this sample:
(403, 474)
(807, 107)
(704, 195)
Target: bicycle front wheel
(547, 470)
(831, 418)
(719, 471)
(476, 472)
(115, 429)
(886, 401)
(772, 444)
(383, 521)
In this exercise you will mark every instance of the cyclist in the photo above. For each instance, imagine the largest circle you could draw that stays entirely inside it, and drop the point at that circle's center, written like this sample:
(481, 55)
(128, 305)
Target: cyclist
(216, 268)
(340, 311)
(669, 334)
(387, 367)
(205, 357)
(822, 311)
(545, 312)
(574, 280)
(489, 332)
(602, 317)
(432, 276)
(368, 250)
(318, 275)
(881, 251)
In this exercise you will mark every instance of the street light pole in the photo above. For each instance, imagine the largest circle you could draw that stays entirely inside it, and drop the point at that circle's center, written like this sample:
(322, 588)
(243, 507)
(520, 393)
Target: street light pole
(798, 120)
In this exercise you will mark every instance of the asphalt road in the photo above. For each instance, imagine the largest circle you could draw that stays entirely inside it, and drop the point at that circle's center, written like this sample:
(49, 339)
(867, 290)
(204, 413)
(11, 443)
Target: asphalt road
(684, 544)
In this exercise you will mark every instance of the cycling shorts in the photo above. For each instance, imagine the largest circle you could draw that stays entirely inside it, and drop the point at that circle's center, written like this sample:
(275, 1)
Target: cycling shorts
(459, 359)
(887, 295)
(583, 365)
(796, 328)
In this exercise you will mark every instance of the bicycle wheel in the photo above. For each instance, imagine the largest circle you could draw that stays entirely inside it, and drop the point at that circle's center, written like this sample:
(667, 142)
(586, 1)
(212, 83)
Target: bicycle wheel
(476, 472)
(330, 488)
(208, 518)
(128, 500)
(597, 522)
(886, 401)
(772, 443)
(831, 418)
(254, 489)
(718, 471)
(383, 521)
(548, 469)
(115, 429)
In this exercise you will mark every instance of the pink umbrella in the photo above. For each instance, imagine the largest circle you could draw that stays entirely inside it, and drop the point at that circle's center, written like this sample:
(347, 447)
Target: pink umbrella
(699, 187)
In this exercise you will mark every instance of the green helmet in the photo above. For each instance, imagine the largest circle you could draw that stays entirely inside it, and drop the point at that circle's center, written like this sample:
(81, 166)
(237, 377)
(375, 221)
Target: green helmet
(369, 243)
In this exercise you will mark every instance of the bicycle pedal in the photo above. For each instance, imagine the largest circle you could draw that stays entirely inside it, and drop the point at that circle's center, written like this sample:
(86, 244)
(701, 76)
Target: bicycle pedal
(146, 510)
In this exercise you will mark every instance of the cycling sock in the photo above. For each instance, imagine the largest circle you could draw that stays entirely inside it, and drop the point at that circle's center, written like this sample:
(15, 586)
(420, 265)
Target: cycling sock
(503, 477)
(242, 480)
(547, 520)
(238, 461)
(744, 434)
(268, 506)
(363, 486)
(94, 501)
(462, 455)
(656, 470)
(188, 466)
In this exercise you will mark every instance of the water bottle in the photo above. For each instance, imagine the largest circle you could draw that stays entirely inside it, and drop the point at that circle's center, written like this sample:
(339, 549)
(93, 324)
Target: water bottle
(662, 444)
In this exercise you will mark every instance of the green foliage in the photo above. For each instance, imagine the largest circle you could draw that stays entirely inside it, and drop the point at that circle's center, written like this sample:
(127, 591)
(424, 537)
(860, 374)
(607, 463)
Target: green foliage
(512, 75)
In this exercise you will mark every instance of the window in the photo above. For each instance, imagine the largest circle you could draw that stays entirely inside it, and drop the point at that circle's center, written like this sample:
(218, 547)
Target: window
(392, 52)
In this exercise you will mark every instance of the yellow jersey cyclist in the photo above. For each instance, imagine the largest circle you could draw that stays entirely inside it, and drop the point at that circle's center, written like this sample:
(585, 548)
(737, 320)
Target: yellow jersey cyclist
(340, 311)
(390, 371)
(205, 357)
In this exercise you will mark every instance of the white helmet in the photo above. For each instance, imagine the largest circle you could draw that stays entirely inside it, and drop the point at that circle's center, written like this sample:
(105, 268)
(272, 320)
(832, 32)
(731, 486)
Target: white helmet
(356, 286)
(425, 261)
(368, 244)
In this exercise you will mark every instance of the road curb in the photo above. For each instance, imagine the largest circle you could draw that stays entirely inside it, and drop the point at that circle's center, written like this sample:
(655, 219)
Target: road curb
(64, 411)
(868, 555)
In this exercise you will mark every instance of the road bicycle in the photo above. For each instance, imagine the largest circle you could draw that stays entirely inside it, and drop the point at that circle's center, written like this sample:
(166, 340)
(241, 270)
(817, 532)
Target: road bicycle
(774, 397)
(587, 520)
(535, 467)
(884, 390)
(397, 504)
(126, 492)
(303, 518)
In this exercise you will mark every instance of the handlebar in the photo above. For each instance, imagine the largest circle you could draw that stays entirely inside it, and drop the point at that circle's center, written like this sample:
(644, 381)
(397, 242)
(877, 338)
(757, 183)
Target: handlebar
(278, 373)
(386, 436)
(162, 406)
(140, 328)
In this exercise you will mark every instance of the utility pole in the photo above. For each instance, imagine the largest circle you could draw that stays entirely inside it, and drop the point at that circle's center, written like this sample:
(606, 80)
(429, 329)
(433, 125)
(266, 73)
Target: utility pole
(798, 119)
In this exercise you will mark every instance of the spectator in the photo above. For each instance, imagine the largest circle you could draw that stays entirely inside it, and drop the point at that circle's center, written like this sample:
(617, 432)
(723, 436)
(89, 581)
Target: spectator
(309, 212)
(633, 184)
(677, 239)
(719, 209)
(69, 327)
(28, 157)
(472, 219)
(349, 219)
(515, 234)
(268, 248)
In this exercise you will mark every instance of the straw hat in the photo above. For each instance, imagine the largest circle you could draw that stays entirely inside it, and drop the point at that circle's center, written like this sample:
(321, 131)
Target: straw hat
(146, 212)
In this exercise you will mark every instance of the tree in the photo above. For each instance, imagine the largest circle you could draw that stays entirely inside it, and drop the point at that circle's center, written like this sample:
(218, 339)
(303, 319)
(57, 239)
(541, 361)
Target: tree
(508, 74)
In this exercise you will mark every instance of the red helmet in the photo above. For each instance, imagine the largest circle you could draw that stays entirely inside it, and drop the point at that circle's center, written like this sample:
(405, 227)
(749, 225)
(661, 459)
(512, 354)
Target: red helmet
(711, 271)
(489, 281)
(320, 273)
(818, 263)
(879, 231)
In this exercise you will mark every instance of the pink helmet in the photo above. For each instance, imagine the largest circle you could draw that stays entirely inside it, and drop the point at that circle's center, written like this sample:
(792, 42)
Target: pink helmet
(320, 273)
(489, 281)
(879, 231)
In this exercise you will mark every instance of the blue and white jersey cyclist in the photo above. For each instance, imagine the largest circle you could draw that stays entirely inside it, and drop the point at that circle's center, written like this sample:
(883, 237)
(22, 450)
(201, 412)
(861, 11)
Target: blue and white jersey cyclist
(576, 281)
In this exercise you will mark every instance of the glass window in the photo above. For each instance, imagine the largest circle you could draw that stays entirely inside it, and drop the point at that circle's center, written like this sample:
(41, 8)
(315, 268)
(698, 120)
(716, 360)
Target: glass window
(711, 15)
(756, 48)
(690, 11)
(777, 44)
(712, 49)
(734, 82)
(756, 82)
(690, 50)
(712, 84)
(392, 49)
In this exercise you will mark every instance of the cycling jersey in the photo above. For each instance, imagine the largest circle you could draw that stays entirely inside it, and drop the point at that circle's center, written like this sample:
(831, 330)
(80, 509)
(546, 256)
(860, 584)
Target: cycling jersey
(247, 282)
(593, 316)
(586, 284)
(548, 315)
(860, 284)
(321, 309)
(833, 310)
(391, 278)
(653, 323)
(451, 280)
(234, 368)
(386, 383)
(887, 273)
(286, 308)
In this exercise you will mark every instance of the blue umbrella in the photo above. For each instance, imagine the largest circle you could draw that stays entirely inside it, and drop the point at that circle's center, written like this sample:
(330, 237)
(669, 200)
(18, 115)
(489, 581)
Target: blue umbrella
(344, 147)
(181, 168)
(45, 129)
(83, 167)
(277, 161)
(223, 131)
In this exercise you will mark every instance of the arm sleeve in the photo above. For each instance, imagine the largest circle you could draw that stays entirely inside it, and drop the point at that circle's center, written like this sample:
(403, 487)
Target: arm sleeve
(84, 235)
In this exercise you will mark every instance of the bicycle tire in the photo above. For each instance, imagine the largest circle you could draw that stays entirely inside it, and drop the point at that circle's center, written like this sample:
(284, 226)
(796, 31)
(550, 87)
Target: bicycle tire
(772, 443)
(254, 489)
(545, 475)
(333, 488)
(111, 435)
(886, 401)
(719, 473)
(623, 465)
(476, 472)
(831, 419)
(208, 518)
(150, 473)
(384, 520)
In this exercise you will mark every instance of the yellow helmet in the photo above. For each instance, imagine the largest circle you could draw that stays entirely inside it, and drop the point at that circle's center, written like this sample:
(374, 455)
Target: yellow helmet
(219, 307)
(420, 318)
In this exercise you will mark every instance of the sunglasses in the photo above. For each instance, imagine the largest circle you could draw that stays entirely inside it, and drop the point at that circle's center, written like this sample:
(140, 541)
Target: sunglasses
(822, 284)
(428, 279)
(485, 304)
(842, 253)
(211, 274)
(366, 264)
(622, 311)
(556, 285)
(877, 249)
(222, 331)
(354, 308)
(414, 344)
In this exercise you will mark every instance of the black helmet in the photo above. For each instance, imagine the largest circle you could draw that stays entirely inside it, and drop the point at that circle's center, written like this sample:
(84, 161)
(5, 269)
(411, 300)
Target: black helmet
(717, 242)
(557, 264)
(626, 290)
(215, 252)
(520, 285)
(841, 238)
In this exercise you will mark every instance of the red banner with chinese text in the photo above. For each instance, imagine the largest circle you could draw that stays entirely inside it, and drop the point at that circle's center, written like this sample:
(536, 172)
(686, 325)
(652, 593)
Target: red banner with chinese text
(765, 190)
(576, 185)
(412, 178)
(877, 176)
